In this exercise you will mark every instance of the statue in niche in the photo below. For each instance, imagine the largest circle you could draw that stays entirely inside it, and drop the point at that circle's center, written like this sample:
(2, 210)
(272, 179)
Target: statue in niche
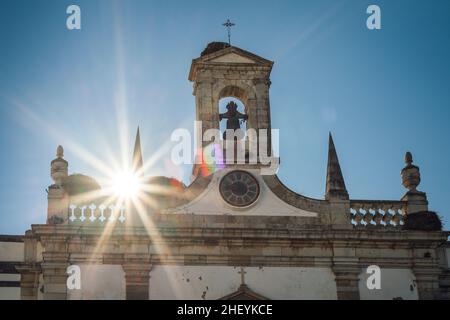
(233, 116)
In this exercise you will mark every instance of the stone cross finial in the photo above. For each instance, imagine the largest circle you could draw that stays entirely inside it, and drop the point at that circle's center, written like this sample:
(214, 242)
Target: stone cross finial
(242, 272)
(228, 24)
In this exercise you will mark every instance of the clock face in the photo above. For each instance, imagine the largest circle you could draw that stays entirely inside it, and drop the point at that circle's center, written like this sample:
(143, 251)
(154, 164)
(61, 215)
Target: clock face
(239, 188)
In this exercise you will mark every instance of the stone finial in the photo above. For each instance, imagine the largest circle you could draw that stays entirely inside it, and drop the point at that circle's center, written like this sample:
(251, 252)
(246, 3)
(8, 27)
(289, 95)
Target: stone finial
(410, 174)
(408, 158)
(335, 188)
(416, 200)
(59, 166)
(60, 152)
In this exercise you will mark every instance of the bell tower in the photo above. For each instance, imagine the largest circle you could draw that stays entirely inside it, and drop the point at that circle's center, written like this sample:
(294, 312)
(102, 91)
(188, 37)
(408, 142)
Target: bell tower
(225, 71)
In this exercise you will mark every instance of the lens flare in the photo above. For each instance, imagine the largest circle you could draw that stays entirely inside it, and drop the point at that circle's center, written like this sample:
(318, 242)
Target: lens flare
(211, 159)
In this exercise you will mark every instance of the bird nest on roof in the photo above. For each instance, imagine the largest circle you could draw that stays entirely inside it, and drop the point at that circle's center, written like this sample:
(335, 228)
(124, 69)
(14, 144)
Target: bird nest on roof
(423, 221)
(213, 47)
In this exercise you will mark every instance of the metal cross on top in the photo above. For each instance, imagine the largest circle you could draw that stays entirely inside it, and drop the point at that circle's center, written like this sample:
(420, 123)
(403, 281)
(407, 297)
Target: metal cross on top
(228, 24)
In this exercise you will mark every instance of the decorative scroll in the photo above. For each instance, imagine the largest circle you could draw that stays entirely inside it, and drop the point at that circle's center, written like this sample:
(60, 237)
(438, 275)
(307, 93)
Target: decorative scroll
(100, 214)
(365, 213)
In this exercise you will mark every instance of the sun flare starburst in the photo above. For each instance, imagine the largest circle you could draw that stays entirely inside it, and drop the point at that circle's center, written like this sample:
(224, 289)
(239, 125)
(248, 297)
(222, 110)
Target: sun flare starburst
(126, 184)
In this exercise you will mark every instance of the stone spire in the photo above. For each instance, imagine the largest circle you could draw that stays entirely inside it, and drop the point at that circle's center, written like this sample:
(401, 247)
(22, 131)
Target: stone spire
(138, 164)
(335, 188)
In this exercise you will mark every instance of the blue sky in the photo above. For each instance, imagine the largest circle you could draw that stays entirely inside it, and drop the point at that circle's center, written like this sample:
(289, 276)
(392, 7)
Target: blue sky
(381, 92)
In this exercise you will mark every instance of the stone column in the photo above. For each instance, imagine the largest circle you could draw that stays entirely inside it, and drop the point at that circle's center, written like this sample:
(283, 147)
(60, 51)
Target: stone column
(207, 111)
(29, 281)
(261, 86)
(347, 279)
(137, 276)
(427, 280)
(30, 269)
(54, 269)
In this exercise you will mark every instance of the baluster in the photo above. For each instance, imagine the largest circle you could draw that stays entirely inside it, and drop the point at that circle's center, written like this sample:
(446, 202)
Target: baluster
(83, 217)
(387, 218)
(394, 219)
(112, 208)
(352, 215)
(102, 208)
(378, 216)
(122, 214)
(359, 216)
(368, 217)
(92, 207)
(72, 214)
(397, 218)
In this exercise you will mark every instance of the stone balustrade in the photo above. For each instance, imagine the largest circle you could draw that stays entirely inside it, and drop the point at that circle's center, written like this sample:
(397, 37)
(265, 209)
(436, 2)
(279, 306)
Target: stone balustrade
(366, 213)
(98, 214)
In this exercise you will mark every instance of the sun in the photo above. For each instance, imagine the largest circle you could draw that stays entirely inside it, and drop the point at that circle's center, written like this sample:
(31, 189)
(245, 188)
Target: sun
(126, 185)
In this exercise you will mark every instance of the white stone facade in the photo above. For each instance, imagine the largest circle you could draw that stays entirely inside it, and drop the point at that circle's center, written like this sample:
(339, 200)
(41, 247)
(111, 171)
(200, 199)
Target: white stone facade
(195, 245)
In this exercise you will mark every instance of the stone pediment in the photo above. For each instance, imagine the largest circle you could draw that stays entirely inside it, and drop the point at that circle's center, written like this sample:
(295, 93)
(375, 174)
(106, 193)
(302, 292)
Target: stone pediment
(244, 293)
(229, 56)
(207, 200)
(232, 57)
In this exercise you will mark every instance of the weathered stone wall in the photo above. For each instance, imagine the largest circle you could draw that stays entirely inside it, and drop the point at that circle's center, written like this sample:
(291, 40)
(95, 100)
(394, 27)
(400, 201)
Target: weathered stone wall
(99, 282)
(395, 284)
(209, 244)
(215, 282)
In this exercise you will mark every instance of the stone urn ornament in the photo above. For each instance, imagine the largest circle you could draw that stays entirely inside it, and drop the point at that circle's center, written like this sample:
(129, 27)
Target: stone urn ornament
(410, 174)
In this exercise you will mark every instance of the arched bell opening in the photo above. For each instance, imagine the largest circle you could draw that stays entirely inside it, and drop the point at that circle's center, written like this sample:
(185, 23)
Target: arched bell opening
(234, 92)
(243, 95)
(234, 104)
